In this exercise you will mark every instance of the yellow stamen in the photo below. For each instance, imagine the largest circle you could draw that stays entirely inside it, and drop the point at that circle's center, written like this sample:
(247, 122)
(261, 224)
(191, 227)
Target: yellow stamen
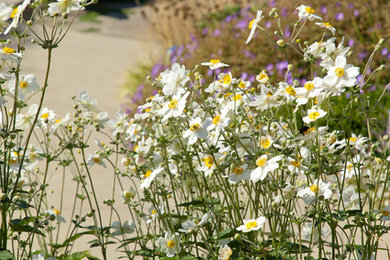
(147, 174)
(8, 50)
(251, 224)
(295, 163)
(172, 104)
(238, 170)
(45, 116)
(14, 12)
(309, 86)
(314, 188)
(261, 161)
(170, 244)
(214, 61)
(209, 162)
(291, 90)
(194, 127)
(251, 24)
(216, 119)
(339, 72)
(266, 143)
(309, 10)
(314, 115)
(23, 84)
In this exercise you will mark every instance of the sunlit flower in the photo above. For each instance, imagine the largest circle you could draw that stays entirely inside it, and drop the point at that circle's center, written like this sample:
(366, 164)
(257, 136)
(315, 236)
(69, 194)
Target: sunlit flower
(264, 166)
(225, 253)
(188, 226)
(239, 173)
(306, 12)
(318, 189)
(7, 53)
(16, 14)
(313, 114)
(214, 64)
(252, 224)
(27, 85)
(197, 130)
(149, 177)
(327, 26)
(170, 244)
(129, 194)
(172, 79)
(5, 14)
(55, 214)
(95, 159)
(253, 25)
(174, 107)
(262, 78)
(64, 6)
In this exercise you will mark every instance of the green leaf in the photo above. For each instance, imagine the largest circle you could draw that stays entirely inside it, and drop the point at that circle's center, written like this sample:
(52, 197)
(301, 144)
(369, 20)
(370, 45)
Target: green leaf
(191, 203)
(225, 234)
(20, 225)
(144, 252)
(6, 255)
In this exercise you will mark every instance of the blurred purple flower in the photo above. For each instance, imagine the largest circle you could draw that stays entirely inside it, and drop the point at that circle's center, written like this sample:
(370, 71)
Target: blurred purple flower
(217, 71)
(244, 75)
(228, 18)
(157, 68)
(351, 42)
(249, 55)
(385, 51)
(241, 24)
(356, 12)
(269, 67)
(324, 10)
(281, 66)
(205, 31)
(284, 11)
(209, 72)
(350, 5)
(361, 55)
(272, 3)
(216, 32)
(372, 88)
(339, 16)
(287, 32)
(252, 78)
(267, 24)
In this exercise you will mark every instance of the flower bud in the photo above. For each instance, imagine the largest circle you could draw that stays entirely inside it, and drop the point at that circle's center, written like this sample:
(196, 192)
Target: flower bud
(381, 67)
(65, 15)
(281, 43)
(272, 12)
(290, 67)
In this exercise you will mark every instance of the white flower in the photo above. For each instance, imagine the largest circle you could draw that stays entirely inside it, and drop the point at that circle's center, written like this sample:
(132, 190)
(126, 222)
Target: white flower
(327, 26)
(154, 212)
(311, 233)
(173, 79)
(239, 174)
(55, 214)
(214, 64)
(15, 15)
(356, 141)
(174, 107)
(341, 75)
(149, 177)
(95, 159)
(253, 25)
(198, 130)
(7, 53)
(46, 116)
(5, 14)
(252, 224)
(87, 102)
(128, 227)
(311, 89)
(169, 244)
(208, 165)
(27, 85)
(313, 114)
(264, 166)
(262, 78)
(188, 226)
(225, 252)
(350, 168)
(265, 142)
(64, 6)
(306, 12)
(129, 194)
(318, 189)
(25, 121)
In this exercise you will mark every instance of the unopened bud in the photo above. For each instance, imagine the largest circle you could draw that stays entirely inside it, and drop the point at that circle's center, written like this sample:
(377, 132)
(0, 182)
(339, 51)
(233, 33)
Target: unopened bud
(272, 12)
(382, 67)
(290, 67)
(65, 15)
(296, 83)
(29, 23)
(298, 40)
(281, 43)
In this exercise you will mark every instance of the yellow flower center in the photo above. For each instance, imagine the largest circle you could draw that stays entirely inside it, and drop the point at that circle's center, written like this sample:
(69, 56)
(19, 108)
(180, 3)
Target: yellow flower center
(57, 121)
(291, 90)
(45, 116)
(237, 97)
(194, 127)
(14, 12)
(261, 161)
(349, 166)
(8, 50)
(353, 139)
(309, 86)
(238, 170)
(339, 72)
(96, 160)
(214, 61)
(295, 163)
(269, 93)
(216, 119)
(251, 224)
(154, 211)
(147, 174)
(309, 10)
(314, 188)
(209, 162)
(23, 84)
(262, 75)
(266, 143)
(57, 212)
(251, 24)
(227, 79)
(242, 84)
(170, 243)
(327, 24)
(128, 195)
(172, 104)
(314, 115)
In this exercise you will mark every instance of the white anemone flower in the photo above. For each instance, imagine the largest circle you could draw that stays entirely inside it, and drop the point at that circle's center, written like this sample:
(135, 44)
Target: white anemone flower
(46, 116)
(95, 159)
(188, 226)
(5, 14)
(197, 130)
(313, 114)
(27, 85)
(7, 53)
(170, 244)
(318, 189)
(208, 165)
(306, 12)
(341, 75)
(327, 26)
(172, 79)
(127, 227)
(239, 173)
(311, 233)
(149, 177)
(15, 15)
(262, 77)
(311, 89)
(252, 224)
(64, 6)
(253, 25)
(264, 166)
(174, 107)
(214, 64)
(25, 121)
(55, 214)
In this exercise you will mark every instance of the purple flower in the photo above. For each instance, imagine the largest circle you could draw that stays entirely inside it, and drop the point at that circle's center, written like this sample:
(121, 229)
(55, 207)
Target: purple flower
(267, 24)
(269, 67)
(249, 55)
(205, 31)
(350, 5)
(287, 32)
(356, 12)
(351, 42)
(324, 10)
(339, 16)
(272, 3)
(241, 24)
(281, 66)
(216, 32)
(362, 55)
(228, 18)
(252, 78)
(284, 11)
(385, 51)
(244, 75)
(372, 88)
(209, 73)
